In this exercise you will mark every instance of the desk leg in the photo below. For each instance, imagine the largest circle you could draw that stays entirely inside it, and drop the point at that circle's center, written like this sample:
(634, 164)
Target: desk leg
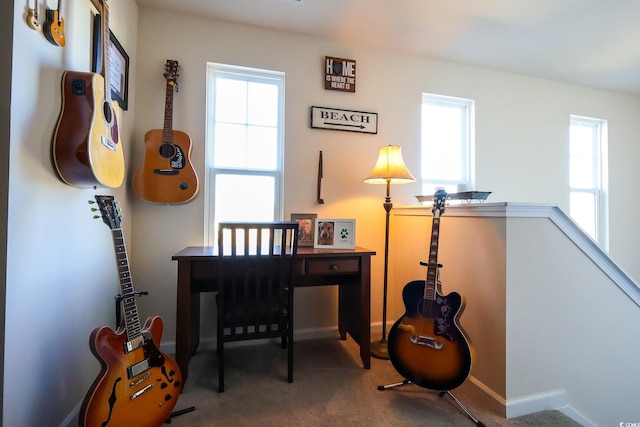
(183, 318)
(365, 311)
(354, 309)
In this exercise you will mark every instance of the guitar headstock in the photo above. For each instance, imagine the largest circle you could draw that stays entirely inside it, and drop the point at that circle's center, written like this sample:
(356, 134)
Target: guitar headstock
(171, 71)
(109, 211)
(439, 199)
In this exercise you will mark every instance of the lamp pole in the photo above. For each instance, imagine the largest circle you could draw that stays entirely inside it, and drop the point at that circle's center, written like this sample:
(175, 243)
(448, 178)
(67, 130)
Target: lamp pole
(379, 348)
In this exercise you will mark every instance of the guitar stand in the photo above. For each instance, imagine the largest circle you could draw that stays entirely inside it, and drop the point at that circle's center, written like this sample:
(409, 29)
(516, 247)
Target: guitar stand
(178, 413)
(440, 394)
(119, 299)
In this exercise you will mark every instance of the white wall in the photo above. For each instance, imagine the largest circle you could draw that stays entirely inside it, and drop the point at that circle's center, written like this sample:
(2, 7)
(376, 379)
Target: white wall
(61, 271)
(569, 327)
(521, 140)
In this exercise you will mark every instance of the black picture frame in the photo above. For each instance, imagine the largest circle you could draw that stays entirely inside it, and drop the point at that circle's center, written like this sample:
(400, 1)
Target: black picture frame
(120, 75)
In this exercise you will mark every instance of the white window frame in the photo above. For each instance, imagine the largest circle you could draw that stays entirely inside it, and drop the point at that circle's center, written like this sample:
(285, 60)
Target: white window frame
(467, 141)
(244, 74)
(600, 174)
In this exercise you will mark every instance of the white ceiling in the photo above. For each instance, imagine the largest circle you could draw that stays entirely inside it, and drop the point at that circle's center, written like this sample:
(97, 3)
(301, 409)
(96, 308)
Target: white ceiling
(588, 42)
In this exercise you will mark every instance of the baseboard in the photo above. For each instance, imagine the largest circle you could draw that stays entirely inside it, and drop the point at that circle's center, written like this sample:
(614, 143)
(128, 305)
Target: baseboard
(553, 400)
(484, 394)
(532, 403)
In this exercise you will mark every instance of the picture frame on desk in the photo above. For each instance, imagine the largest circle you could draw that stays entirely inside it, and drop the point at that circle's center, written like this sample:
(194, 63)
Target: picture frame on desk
(306, 227)
(333, 233)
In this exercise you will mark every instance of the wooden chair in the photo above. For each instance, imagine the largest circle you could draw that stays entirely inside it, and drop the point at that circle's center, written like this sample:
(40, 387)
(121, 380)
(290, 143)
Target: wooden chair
(255, 297)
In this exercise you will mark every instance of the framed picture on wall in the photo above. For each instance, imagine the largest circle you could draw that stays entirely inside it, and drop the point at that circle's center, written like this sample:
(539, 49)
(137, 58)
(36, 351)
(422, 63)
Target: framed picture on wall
(119, 63)
(306, 227)
(335, 233)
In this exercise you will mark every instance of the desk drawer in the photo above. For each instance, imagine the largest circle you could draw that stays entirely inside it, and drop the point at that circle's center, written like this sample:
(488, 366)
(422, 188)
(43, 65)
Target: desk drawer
(317, 267)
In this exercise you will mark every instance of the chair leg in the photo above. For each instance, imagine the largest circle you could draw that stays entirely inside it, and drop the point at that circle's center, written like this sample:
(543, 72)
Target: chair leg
(220, 353)
(220, 366)
(290, 360)
(290, 337)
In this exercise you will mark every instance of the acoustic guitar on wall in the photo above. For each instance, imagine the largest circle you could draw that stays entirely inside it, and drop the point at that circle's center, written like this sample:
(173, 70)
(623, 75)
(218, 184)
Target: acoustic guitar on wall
(54, 26)
(87, 149)
(138, 384)
(166, 174)
(427, 345)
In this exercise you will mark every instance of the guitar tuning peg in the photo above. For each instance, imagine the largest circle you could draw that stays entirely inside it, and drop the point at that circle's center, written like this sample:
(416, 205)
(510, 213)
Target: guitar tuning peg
(96, 217)
(91, 202)
(94, 209)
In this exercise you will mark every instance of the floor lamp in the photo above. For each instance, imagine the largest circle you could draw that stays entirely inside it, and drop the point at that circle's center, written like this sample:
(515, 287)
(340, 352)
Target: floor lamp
(389, 169)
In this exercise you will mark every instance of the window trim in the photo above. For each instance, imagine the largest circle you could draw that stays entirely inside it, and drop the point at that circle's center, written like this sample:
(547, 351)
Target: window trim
(467, 163)
(247, 74)
(600, 170)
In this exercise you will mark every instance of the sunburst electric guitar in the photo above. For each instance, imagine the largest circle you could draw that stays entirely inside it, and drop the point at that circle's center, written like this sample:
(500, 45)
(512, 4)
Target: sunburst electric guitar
(427, 345)
(166, 174)
(138, 384)
(87, 150)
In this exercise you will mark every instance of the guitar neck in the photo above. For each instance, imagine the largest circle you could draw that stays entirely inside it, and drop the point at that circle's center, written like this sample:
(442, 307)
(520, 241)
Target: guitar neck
(432, 267)
(131, 318)
(106, 57)
(167, 132)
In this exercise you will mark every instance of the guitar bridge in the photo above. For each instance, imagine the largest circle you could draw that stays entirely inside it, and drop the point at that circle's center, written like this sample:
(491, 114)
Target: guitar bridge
(108, 143)
(427, 341)
(165, 171)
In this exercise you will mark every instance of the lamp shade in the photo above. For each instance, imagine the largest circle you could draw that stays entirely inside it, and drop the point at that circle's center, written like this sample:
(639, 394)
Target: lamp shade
(390, 168)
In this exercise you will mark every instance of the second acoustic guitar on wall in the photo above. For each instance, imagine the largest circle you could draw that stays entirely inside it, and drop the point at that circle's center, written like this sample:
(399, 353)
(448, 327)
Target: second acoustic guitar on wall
(166, 174)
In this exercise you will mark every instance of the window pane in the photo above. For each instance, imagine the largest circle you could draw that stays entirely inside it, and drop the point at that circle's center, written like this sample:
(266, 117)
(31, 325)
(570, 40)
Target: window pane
(230, 100)
(244, 198)
(230, 149)
(263, 102)
(262, 148)
(583, 211)
(442, 133)
(582, 161)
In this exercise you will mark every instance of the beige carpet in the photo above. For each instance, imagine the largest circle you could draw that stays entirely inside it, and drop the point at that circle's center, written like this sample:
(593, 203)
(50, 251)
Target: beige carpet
(330, 388)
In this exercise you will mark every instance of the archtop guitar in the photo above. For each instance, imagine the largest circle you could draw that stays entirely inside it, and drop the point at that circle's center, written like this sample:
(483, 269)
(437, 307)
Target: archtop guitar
(138, 384)
(427, 345)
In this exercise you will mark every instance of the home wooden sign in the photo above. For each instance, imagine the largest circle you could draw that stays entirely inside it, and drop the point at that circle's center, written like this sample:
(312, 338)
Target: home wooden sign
(348, 120)
(339, 74)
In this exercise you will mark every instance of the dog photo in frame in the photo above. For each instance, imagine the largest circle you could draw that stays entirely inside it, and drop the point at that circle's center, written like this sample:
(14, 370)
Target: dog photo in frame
(333, 233)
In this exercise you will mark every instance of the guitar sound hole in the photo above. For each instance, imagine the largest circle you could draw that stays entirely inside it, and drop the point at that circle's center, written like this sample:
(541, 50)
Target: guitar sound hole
(106, 110)
(167, 150)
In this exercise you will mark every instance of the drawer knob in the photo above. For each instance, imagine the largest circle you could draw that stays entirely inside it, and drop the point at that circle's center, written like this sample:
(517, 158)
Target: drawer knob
(334, 267)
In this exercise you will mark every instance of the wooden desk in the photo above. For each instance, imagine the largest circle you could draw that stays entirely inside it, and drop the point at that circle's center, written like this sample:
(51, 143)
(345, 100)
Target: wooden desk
(350, 269)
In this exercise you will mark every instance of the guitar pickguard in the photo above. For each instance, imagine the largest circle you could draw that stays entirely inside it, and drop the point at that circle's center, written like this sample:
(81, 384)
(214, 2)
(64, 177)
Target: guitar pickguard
(442, 314)
(178, 160)
(442, 310)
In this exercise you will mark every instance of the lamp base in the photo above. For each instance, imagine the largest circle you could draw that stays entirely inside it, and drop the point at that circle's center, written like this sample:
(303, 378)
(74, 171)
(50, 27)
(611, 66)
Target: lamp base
(379, 349)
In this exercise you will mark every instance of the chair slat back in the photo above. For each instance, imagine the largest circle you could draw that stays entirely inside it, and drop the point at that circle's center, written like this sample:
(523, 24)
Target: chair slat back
(256, 269)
